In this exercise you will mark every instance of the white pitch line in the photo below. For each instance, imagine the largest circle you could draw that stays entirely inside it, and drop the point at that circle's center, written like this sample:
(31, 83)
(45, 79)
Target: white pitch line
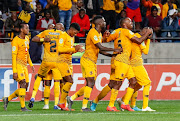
(58, 114)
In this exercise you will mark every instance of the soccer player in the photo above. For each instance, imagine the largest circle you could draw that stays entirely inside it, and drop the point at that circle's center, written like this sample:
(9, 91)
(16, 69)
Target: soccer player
(20, 57)
(50, 38)
(56, 75)
(120, 68)
(66, 48)
(140, 72)
(89, 59)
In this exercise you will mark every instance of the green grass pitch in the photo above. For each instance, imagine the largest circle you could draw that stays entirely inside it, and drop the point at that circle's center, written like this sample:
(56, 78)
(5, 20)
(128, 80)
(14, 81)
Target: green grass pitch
(166, 111)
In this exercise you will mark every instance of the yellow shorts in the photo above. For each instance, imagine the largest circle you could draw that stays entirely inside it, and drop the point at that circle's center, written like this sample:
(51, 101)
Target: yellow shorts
(123, 70)
(45, 67)
(88, 67)
(65, 69)
(54, 73)
(22, 72)
(141, 75)
(112, 75)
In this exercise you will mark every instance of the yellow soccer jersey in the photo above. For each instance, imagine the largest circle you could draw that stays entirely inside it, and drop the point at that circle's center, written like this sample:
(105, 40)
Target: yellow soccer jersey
(122, 38)
(65, 44)
(137, 50)
(50, 48)
(20, 53)
(92, 51)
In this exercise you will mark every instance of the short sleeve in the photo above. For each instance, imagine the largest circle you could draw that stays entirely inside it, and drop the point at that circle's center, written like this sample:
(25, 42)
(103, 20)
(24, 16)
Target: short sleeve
(96, 38)
(113, 36)
(41, 35)
(129, 34)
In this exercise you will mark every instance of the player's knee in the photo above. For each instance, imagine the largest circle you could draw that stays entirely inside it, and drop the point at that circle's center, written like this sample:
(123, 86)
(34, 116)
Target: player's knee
(22, 83)
(48, 82)
(132, 82)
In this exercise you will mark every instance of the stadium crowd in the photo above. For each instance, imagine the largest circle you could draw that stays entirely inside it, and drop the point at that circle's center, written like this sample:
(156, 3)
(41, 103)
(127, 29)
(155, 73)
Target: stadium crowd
(162, 15)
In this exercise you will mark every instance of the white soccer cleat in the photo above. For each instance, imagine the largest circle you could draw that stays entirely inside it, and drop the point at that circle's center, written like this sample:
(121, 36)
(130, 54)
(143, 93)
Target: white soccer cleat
(148, 109)
(120, 102)
(46, 107)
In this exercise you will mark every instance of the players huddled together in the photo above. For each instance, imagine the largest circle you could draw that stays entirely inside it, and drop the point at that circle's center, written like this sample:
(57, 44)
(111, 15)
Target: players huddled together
(126, 62)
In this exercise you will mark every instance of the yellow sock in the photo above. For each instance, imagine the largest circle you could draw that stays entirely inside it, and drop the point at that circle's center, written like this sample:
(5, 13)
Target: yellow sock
(133, 99)
(146, 95)
(46, 95)
(87, 93)
(22, 93)
(78, 93)
(36, 86)
(102, 94)
(56, 92)
(65, 92)
(128, 95)
(13, 95)
(114, 93)
(61, 87)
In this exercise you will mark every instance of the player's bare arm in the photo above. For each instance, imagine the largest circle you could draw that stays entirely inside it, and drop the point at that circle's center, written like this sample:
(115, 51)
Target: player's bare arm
(38, 39)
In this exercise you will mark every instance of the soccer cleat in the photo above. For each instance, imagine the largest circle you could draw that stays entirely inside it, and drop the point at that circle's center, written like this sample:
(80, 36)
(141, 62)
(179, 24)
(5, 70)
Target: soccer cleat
(136, 109)
(57, 108)
(25, 109)
(63, 107)
(93, 106)
(70, 102)
(120, 102)
(31, 103)
(5, 100)
(85, 110)
(46, 107)
(148, 109)
(126, 107)
(114, 109)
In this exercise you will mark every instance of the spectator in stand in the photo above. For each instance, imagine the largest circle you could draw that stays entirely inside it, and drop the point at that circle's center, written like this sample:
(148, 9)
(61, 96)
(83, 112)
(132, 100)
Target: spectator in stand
(39, 13)
(53, 8)
(83, 20)
(121, 15)
(134, 13)
(13, 5)
(92, 7)
(1, 22)
(154, 21)
(168, 6)
(44, 22)
(6, 15)
(109, 13)
(170, 25)
(77, 7)
(65, 12)
(12, 25)
(27, 14)
(148, 4)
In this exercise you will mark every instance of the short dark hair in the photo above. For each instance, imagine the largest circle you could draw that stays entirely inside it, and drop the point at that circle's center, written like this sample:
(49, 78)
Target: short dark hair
(22, 26)
(97, 17)
(82, 9)
(122, 20)
(75, 26)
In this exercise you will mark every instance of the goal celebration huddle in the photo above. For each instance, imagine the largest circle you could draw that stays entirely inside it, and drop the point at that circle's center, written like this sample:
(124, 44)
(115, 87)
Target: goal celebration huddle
(126, 62)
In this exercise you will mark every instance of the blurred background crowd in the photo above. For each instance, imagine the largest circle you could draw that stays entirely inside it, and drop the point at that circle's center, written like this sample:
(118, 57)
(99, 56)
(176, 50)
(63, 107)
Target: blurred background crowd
(162, 15)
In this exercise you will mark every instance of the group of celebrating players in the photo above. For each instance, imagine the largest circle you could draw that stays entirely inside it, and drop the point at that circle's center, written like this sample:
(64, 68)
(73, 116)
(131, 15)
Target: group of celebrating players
(126, 62)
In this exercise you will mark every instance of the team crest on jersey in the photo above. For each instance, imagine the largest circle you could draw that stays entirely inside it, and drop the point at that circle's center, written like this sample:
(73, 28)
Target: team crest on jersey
(13, 48)
(113, 32)
(61, 41)
(90, 72)
(68, 71)
(122, 75)
(95, 38)
(26, 43)
(22, 74)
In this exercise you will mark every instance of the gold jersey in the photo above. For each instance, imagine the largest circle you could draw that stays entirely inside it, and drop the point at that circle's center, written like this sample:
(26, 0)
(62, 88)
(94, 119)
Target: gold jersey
(91, 51)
